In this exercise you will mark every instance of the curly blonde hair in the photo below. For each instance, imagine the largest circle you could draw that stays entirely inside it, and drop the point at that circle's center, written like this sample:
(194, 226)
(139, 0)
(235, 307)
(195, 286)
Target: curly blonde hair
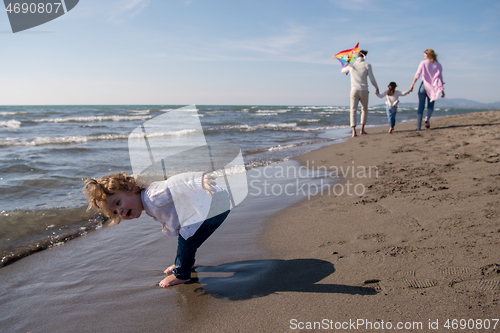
(98, 190)
(431, 55)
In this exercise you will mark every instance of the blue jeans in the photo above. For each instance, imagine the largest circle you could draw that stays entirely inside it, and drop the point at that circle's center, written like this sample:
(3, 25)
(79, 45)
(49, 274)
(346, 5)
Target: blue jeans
(422, 97)
(391, 114)
(186, 248)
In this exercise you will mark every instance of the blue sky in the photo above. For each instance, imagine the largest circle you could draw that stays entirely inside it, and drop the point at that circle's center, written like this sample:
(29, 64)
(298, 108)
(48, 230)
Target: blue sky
(275, 52)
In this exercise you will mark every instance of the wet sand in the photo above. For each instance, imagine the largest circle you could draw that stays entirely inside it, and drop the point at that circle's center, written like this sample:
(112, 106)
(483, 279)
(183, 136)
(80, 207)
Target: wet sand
(419, 245)
(107, 281)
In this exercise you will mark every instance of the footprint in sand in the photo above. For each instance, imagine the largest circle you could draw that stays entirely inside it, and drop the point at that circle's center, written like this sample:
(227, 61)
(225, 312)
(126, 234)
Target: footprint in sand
(377, 237)
(487, 278)
(381, 210)
(406, 273)
(478, 285)
(375, 284)
(420, 283)
(491, 270)
(464, 278)
(447, 271)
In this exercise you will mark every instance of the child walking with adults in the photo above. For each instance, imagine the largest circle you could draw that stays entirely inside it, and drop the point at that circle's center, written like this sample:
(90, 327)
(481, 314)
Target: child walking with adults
(392, 101)
(431, 86)
(359, 71)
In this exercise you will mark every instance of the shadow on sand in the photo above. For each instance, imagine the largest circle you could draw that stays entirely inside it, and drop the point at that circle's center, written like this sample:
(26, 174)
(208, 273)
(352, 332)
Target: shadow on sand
(257, 278)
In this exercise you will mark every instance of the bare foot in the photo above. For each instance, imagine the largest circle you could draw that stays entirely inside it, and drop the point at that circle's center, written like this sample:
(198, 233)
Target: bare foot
(390, 130)
(354, 134)
(169, 269)
(363, 130)
(171, 280)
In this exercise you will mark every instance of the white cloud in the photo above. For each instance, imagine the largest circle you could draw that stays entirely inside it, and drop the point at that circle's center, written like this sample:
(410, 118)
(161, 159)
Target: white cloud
(128, 8)
(271, 45)
(293, 43)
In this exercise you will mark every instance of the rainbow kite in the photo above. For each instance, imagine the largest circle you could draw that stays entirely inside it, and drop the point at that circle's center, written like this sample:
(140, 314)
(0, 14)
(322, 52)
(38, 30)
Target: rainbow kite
(347, 56)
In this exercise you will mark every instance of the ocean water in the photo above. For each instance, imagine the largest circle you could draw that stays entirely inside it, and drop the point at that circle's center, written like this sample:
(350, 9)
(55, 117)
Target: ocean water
(46, 152)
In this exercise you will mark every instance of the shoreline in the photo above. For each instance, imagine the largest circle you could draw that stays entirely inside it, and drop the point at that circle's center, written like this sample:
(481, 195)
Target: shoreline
(59, 224)
(120, 267)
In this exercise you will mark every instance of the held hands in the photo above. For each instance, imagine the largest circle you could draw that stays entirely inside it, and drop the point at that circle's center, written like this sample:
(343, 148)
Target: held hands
(208, 184)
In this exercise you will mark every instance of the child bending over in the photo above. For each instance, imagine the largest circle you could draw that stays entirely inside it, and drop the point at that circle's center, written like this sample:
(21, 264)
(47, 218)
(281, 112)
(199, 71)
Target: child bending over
(182, 204)
(392, 101)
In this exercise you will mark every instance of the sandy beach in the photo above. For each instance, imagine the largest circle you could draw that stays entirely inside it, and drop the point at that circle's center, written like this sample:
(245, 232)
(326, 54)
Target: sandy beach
(425, 235)
(408, 237)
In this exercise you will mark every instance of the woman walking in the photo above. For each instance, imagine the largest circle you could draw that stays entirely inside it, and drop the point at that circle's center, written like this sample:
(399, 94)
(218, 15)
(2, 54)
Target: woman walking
(431, 86)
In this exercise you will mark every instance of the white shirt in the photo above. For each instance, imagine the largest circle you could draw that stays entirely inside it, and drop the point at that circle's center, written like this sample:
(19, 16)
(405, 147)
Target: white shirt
(394, 99)
(179, 203)
(359, 71)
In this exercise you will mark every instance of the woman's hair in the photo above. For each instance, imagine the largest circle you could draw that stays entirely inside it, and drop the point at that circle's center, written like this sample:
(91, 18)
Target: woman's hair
(431, 55)
(363, 53)
(98, 190)
(392, 88)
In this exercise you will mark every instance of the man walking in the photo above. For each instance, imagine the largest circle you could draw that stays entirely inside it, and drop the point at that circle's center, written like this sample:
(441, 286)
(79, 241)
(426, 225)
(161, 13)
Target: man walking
(359, 71)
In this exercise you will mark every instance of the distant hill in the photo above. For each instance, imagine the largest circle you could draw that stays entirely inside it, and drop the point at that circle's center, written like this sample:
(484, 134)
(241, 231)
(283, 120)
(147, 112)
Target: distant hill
(462, 102)
(457, 103)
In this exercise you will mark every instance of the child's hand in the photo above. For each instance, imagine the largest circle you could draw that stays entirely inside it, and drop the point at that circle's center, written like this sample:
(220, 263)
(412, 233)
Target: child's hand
(208, 184)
